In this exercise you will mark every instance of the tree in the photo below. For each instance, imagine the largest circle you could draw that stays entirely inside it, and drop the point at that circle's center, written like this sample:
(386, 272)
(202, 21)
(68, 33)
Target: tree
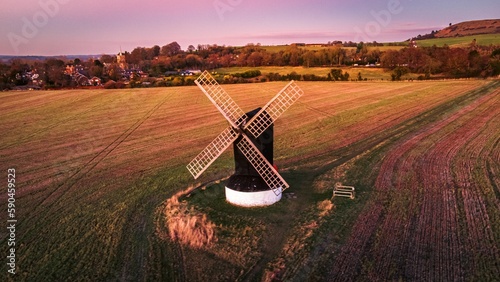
(54, 73)
(4, 78)
(113, 72)
(160, 66)
(213, 61)
(171, 49)
(390, 59)
(336, 75)
(107, 59)
(345, 77)
(473, 44)
(137, 55)
(255, 59)
(292, 55)
(193, 61)
(414, 58)
(373, 56)
(335, 56)
(156, 51)
(308, 58)
(98, 63)
(431, 65)
(226, 60)
(18, 69)
(398, 72)
(476, 64)
(267, 58)
(456, 62)
(294, 76)
(495, 62)
(97, 69)
(278, 58)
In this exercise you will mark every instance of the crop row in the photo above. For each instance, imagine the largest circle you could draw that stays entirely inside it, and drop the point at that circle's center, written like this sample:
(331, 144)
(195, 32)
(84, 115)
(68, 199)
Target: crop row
(431, 216)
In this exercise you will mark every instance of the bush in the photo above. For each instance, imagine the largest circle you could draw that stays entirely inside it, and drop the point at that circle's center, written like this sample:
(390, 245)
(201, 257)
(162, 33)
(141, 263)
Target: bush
(336, 75)
(248, 74)
(313, 77)
(274, 76)
(120, 85)
(177, 81)
(293, 76)
(4, 86)
(189, 81)
(161, 83)
(110, 85)
(398, 72)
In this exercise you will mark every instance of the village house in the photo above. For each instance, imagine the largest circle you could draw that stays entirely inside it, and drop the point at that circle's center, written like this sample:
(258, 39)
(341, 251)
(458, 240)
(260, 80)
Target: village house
(95, 81)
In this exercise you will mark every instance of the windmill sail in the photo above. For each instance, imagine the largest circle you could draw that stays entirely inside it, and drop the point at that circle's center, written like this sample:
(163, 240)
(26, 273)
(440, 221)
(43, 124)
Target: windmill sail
(274, 109)
(204, 159)
(270, 176)
(259, 123)
(221, 99)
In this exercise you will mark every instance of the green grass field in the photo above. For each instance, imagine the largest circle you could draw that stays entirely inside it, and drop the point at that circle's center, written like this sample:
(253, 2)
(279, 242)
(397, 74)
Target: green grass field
(366, 72)
(465, 41)
(94, 169)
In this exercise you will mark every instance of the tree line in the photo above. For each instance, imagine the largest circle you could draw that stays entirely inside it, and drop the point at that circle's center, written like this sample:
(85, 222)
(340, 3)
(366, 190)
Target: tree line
(156, 61)
(473, 61)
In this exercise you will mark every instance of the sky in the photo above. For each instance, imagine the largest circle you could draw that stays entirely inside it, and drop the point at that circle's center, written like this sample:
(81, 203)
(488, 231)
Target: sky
(72, 27)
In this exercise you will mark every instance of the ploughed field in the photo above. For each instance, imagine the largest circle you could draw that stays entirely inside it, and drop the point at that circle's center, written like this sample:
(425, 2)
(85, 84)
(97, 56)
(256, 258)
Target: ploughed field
(95, 167)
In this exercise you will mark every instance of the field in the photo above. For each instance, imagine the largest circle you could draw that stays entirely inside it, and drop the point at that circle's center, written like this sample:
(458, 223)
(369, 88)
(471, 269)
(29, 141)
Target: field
(462, 41)
(95, 168)
(371, 73)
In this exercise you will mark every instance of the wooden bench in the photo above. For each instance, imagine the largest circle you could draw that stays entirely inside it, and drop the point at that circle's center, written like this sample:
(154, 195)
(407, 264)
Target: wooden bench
(343, 191)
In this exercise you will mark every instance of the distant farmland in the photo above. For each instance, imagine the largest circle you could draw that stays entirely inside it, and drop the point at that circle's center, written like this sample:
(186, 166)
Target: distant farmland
(370, 73)
(94, 168)
(462, 41)
(458, 41)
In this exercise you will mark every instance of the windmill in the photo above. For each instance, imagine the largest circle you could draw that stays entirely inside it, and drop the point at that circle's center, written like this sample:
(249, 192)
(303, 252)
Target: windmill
(256, 181)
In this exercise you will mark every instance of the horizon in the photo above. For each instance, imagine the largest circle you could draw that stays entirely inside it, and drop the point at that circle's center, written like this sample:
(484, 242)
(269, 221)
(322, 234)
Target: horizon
(71, 28)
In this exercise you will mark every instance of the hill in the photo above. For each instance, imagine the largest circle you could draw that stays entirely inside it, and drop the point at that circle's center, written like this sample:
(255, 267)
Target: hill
(484, 32)
(470, 28)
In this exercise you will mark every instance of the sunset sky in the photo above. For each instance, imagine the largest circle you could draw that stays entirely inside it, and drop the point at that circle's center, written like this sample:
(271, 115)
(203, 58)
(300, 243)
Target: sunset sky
(71, 27)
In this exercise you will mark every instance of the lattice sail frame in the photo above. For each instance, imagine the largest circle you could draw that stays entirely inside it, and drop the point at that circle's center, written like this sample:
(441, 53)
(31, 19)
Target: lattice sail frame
(268, 173)
(274, 109)
(236, 117)
(222, 101)
(204, 159)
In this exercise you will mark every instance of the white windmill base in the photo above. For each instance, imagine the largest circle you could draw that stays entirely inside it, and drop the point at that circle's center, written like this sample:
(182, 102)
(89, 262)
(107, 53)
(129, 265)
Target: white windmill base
(252, 199)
